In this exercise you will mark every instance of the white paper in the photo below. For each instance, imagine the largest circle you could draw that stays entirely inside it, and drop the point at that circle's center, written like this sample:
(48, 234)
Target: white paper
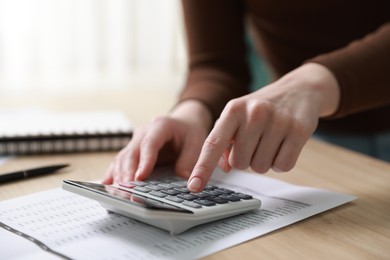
(79, 228)
(4, 159)
(36, 122)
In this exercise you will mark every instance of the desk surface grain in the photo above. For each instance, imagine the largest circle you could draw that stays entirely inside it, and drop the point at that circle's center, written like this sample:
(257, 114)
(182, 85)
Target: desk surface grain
(357, 230)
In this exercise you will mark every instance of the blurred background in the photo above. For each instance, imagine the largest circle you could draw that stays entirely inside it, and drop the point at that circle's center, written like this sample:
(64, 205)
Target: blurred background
(88, 44)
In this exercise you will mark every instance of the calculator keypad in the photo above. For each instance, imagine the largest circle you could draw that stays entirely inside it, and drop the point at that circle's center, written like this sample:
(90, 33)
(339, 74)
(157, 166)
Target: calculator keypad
(176, 192)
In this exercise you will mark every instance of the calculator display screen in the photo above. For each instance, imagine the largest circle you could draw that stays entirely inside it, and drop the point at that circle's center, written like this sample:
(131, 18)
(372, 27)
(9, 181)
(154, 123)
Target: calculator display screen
(134, 199)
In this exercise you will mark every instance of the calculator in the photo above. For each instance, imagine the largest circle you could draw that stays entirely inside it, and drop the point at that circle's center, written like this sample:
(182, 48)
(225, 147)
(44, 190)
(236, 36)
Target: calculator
(166, 203)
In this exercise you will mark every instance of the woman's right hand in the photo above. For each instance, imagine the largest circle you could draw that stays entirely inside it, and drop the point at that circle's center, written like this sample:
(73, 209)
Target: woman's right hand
(174, 139)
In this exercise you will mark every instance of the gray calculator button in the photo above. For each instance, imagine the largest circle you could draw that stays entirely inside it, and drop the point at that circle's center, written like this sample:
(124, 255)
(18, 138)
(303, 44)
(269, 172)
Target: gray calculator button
(180, 184)
(154, 187)
(174, 199)
(213, 192)
(218, 200)
(155, 182)
(157, 194)
(192, 204)
(243, 196)
(141, 189)
(171, 192)
(201, 194)
(205, 202)
(166, 185)
(187, 196)
(182, 190)
(138, 183)
(230, 197)
(224, 191)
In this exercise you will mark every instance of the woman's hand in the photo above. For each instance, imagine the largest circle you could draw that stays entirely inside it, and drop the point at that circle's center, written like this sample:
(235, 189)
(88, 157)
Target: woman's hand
(268, 128)
(176, 139)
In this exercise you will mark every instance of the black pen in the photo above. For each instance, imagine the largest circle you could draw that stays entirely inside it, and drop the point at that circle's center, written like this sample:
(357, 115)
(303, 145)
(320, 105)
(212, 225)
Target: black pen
(12, 176)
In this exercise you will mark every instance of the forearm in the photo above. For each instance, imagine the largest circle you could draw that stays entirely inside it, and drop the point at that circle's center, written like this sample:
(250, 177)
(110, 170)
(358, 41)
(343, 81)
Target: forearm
(361, 69)
(217, 62)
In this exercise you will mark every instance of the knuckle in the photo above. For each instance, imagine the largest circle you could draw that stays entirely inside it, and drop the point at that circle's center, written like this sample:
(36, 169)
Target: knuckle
(233, 107)
(285, 163)
(261, 110)
(212, 142)
(253, 110)
(265, 106)
(237, 159)
(259, 167)
(145, 142)
(284, 166)
(239, 164)
(121, 156)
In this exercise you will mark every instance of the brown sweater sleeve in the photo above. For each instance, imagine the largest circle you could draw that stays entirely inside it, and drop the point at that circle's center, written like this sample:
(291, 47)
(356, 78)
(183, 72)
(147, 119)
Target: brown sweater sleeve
(363, 72)
(218, 70)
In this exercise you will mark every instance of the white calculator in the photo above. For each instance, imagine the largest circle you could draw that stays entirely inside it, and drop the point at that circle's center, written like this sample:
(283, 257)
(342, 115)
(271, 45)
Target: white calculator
(166, 203)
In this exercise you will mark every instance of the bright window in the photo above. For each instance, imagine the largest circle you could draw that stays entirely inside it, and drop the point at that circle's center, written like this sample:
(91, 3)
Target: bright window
(90, 43)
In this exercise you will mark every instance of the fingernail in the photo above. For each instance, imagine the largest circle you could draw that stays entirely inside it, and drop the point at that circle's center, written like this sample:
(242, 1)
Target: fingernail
(195, 184)
(136, 176)
(275, 169)
(137, 173)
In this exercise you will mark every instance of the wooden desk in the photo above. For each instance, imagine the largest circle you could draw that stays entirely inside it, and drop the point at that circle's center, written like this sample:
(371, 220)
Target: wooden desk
(358, 230)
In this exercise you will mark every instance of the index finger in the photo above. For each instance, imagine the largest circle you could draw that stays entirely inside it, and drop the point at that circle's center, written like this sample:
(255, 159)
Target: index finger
(214, 146)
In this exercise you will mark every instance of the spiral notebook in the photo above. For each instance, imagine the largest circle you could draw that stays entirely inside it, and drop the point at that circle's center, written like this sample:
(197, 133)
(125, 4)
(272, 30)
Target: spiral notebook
(37, 131)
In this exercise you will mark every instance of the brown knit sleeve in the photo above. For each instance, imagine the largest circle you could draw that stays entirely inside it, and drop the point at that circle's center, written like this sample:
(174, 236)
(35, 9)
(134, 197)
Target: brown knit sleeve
(363, 72)
(218, 70)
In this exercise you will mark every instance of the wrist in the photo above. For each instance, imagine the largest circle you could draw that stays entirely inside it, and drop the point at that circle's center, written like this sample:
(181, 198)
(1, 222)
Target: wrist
(317, 81)
(326, 84)
(193, 111)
